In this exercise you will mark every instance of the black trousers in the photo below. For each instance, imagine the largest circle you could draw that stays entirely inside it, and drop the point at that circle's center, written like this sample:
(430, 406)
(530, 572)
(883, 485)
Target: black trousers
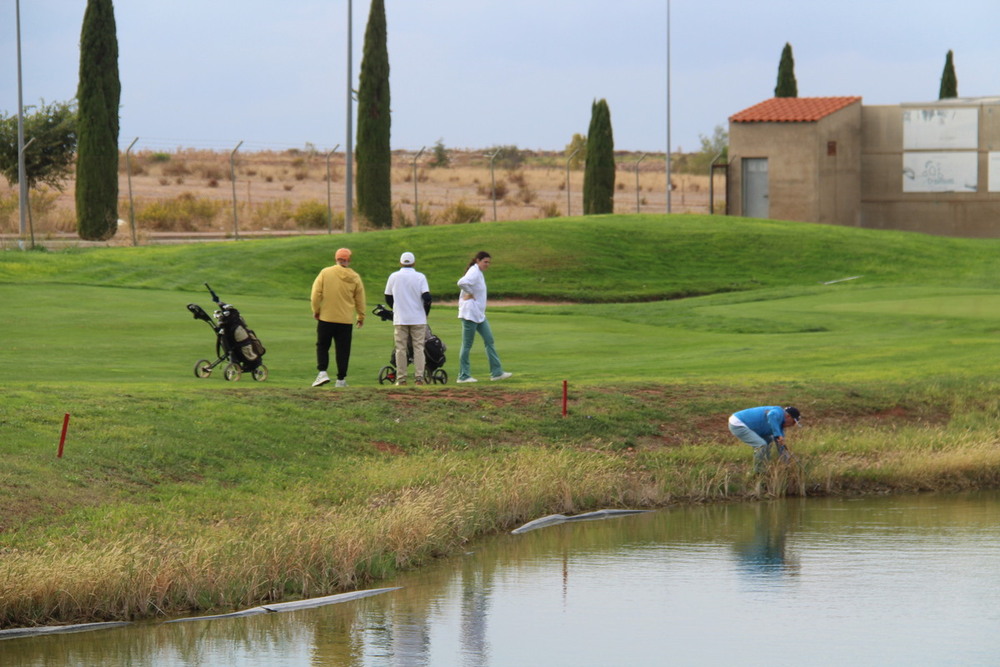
(340, 335)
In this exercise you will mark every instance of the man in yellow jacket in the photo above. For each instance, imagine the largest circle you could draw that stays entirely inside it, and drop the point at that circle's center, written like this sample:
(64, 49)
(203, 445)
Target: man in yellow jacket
(338, 300)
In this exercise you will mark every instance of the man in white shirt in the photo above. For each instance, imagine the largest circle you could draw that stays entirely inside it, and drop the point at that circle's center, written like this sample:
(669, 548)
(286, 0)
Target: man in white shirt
(407, 293)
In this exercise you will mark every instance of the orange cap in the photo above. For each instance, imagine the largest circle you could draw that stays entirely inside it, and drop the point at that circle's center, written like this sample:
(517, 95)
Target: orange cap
(343, 253)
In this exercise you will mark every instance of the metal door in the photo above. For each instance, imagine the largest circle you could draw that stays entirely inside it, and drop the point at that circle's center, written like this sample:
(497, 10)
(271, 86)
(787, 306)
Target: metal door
(755, 188)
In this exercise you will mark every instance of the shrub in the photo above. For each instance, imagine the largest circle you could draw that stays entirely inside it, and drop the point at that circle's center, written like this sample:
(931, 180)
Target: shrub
(311, 214)
(402, 218)
(273, 214)
(441, 157)
(487, 190)
(182, 213)
(510, 158)
(211, 172)
(178, 168)
(550, 210)
(461, 212)
(9, 210)
(159, 157)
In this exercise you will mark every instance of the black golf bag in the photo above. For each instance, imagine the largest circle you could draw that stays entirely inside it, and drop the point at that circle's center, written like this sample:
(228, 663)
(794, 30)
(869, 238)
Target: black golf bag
(434, 357)
(235, 342)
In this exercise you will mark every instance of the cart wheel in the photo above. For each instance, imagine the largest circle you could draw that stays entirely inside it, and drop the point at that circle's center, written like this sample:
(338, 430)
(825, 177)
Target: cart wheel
(387, 374)
(202, 368)
(260, 373)
(233, 372)
(440, 376)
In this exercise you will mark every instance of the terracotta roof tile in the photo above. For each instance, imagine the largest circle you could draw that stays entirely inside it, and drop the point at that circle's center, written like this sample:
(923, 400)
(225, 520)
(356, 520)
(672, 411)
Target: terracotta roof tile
(792, 109)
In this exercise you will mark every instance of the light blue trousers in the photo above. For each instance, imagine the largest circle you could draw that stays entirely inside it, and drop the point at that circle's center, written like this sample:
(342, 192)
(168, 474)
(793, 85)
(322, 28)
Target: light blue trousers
(761, 447)
(469, 329)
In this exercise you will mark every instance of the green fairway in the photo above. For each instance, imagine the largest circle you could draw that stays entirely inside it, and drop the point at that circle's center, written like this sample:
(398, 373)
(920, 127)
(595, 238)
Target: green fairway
(69, 334)
(170, 481)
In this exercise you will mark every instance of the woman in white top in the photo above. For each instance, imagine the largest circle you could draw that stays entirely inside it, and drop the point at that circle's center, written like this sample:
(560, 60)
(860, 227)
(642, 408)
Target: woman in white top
(472, 312)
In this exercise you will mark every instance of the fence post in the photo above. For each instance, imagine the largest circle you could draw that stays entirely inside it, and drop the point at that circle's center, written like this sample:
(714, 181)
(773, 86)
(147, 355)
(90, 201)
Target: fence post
(131, 204)
(416, 208)
(329, 180)
(493, 181)
(568, 160)
(232, 177)
(637, 209)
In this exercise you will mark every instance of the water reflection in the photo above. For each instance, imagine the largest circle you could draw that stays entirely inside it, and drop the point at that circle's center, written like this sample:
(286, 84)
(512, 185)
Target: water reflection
(822, 582)
(764, 554)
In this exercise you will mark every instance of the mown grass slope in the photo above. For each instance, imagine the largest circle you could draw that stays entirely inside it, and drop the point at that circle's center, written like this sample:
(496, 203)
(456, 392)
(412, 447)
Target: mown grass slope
(178, 493)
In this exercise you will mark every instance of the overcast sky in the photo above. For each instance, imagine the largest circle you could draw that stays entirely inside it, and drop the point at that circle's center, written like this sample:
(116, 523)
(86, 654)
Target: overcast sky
(483, 73)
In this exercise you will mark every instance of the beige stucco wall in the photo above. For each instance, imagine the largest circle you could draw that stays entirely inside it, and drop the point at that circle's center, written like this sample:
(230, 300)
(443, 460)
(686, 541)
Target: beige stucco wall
(863, 183)
(884, 205)
(804, 181)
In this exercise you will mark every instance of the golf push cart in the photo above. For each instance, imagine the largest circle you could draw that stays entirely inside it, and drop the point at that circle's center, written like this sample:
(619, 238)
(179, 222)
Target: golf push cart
(235, 343)
(434, 358)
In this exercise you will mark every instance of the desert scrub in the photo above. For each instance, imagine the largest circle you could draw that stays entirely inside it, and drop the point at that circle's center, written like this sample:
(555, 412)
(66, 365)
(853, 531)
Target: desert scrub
(460, 212)
(184, 212)
(311, 214)
(272, 214)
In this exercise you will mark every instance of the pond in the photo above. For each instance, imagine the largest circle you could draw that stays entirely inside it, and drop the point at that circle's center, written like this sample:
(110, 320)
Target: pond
(874, 581)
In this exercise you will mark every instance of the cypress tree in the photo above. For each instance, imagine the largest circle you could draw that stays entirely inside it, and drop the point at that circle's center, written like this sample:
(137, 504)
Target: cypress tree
(98, 95)
(599, 172)
(949, 82)
(373, 153)
(787, 86)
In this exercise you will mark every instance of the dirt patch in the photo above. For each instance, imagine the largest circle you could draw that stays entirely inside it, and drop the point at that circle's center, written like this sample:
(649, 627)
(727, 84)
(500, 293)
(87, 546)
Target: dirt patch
(388, 448)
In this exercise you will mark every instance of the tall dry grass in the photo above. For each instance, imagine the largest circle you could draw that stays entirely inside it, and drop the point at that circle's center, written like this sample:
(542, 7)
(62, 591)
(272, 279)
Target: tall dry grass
(294, 550)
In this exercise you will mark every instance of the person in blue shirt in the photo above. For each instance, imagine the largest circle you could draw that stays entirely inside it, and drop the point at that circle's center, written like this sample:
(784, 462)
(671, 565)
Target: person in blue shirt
(759, 427)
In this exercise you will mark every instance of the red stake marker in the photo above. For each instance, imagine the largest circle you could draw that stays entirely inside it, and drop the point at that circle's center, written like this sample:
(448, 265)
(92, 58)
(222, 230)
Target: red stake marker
(564, 398)
(62, 438)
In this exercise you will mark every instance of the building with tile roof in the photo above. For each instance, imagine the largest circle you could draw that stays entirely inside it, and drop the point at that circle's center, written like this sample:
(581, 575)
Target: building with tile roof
(932, 167)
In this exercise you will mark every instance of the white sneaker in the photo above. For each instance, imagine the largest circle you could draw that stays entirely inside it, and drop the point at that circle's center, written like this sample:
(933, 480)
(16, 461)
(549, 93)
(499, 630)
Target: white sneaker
(321, 379)
(401, 383)
(502, 376)
(341, 383)
(467, 380)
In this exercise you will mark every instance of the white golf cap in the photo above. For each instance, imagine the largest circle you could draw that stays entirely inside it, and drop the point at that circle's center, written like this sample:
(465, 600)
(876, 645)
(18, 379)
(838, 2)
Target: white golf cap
(407, 259)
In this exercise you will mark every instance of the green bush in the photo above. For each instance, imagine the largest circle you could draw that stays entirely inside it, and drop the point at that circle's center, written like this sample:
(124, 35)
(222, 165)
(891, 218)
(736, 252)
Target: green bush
(311, 214)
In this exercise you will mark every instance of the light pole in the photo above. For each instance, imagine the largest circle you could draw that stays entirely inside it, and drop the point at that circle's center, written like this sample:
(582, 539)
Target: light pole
(22, 172)
(669, 186)
(349, 159)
